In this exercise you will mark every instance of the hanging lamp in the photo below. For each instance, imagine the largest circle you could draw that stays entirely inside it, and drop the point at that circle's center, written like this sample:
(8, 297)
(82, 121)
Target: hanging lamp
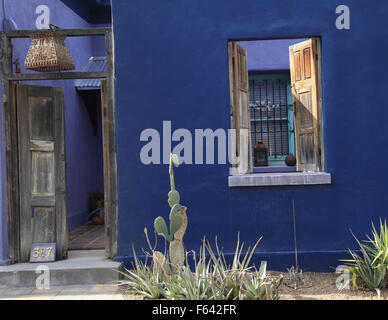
(48, 52)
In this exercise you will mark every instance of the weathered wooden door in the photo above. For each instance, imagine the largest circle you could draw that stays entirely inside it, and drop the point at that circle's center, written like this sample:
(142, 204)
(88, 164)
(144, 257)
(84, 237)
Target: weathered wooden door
(42, 168)
(305, 77)
(110, 187)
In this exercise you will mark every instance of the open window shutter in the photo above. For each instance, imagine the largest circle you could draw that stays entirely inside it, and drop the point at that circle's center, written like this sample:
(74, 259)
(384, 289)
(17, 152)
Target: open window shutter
(239, 98)
(305, 77)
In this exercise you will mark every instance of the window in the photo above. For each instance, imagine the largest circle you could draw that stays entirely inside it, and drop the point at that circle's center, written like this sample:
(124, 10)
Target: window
(271, 115)
(283, 110)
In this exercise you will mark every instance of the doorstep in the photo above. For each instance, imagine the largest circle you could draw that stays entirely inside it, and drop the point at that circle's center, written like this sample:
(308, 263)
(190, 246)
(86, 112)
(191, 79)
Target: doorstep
(81, 268)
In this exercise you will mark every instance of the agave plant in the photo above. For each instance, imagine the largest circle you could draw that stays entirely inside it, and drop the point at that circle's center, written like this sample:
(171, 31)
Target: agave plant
(188, 285)
(370, 267)
(144, 279)
(378, 248)
(239, 281)
(260, 287)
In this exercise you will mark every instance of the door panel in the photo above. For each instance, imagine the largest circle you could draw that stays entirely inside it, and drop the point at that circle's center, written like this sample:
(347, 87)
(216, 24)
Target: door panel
(42, 174)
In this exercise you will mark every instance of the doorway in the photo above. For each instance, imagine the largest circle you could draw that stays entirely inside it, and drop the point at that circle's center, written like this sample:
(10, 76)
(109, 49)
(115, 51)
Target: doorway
(46, 198)
(61, 178)
(86, 225)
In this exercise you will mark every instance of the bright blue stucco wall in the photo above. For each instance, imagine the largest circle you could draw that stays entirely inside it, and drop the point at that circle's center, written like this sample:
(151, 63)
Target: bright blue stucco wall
(175, 68)
(83, 150)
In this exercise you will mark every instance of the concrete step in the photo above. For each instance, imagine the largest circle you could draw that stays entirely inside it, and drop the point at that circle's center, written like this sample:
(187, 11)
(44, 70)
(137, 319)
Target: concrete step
(81, 268)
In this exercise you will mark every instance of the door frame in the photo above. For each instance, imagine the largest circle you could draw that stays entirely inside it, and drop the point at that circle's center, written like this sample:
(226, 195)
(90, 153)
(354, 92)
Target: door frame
(11, 133)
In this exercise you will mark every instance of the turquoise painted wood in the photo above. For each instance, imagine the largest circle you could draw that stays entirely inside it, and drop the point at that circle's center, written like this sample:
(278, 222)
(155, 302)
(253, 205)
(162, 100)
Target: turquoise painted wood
(291, 132)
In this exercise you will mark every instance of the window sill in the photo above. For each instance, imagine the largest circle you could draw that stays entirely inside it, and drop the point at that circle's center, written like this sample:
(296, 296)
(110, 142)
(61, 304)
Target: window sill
(279, 179)
(273, 169)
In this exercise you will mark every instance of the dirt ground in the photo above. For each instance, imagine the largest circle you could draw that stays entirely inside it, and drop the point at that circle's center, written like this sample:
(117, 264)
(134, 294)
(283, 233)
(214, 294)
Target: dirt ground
(321, 286)
(317, 286)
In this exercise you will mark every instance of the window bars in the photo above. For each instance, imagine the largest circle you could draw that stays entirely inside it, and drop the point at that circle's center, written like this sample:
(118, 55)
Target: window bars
(269, 115)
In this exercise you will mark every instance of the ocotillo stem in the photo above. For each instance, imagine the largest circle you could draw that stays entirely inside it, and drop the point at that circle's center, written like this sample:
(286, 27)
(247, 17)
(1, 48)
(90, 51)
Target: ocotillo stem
(296, 249)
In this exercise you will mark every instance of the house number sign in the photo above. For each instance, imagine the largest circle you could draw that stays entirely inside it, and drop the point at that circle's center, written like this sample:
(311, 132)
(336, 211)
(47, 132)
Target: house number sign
(43, 252)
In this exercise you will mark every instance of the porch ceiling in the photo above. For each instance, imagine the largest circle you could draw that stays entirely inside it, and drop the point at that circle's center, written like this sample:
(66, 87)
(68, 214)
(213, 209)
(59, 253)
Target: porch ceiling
(92, 11)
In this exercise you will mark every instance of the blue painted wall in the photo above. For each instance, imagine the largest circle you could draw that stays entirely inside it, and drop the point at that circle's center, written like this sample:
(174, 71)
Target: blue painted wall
(175, 68)
(84, 156)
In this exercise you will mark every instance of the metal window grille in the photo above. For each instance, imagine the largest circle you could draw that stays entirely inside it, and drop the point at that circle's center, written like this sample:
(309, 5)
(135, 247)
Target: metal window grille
(269, 115)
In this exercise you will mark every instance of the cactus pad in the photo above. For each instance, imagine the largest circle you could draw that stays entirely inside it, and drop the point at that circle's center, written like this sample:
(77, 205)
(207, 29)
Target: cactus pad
(173, 198)
(161, 228)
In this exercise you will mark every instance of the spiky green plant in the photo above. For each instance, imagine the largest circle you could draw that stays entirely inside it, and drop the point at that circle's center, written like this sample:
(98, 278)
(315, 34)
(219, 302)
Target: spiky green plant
(196, 285)
(371, 266)
(231, 277)
(178, 222)
(378, 244)
(144, 279)
(214, 279)
(260, 286)
(211, 279)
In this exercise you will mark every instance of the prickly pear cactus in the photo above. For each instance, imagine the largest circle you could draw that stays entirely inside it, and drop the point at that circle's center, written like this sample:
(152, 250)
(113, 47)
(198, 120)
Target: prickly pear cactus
(161, 226)
(178, 222)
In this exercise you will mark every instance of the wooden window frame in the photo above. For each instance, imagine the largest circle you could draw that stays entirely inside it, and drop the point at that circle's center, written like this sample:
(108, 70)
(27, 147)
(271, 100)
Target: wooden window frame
(11, 137)
(317, 43)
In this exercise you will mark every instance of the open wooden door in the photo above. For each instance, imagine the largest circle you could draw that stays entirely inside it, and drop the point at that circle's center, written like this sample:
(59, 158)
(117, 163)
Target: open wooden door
(305, 82)
(42, 168)
(110, 169)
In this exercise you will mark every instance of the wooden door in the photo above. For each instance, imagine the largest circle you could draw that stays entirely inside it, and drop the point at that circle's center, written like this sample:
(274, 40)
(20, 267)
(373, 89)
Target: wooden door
(42, 168)
(109, 155)
(305, 77)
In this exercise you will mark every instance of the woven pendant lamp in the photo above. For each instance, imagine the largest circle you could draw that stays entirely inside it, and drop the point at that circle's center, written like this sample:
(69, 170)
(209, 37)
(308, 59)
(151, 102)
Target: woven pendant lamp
(48, 52)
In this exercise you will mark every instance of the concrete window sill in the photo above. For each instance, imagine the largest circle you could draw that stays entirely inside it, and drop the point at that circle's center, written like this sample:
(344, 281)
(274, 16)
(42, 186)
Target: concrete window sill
(279, 179)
